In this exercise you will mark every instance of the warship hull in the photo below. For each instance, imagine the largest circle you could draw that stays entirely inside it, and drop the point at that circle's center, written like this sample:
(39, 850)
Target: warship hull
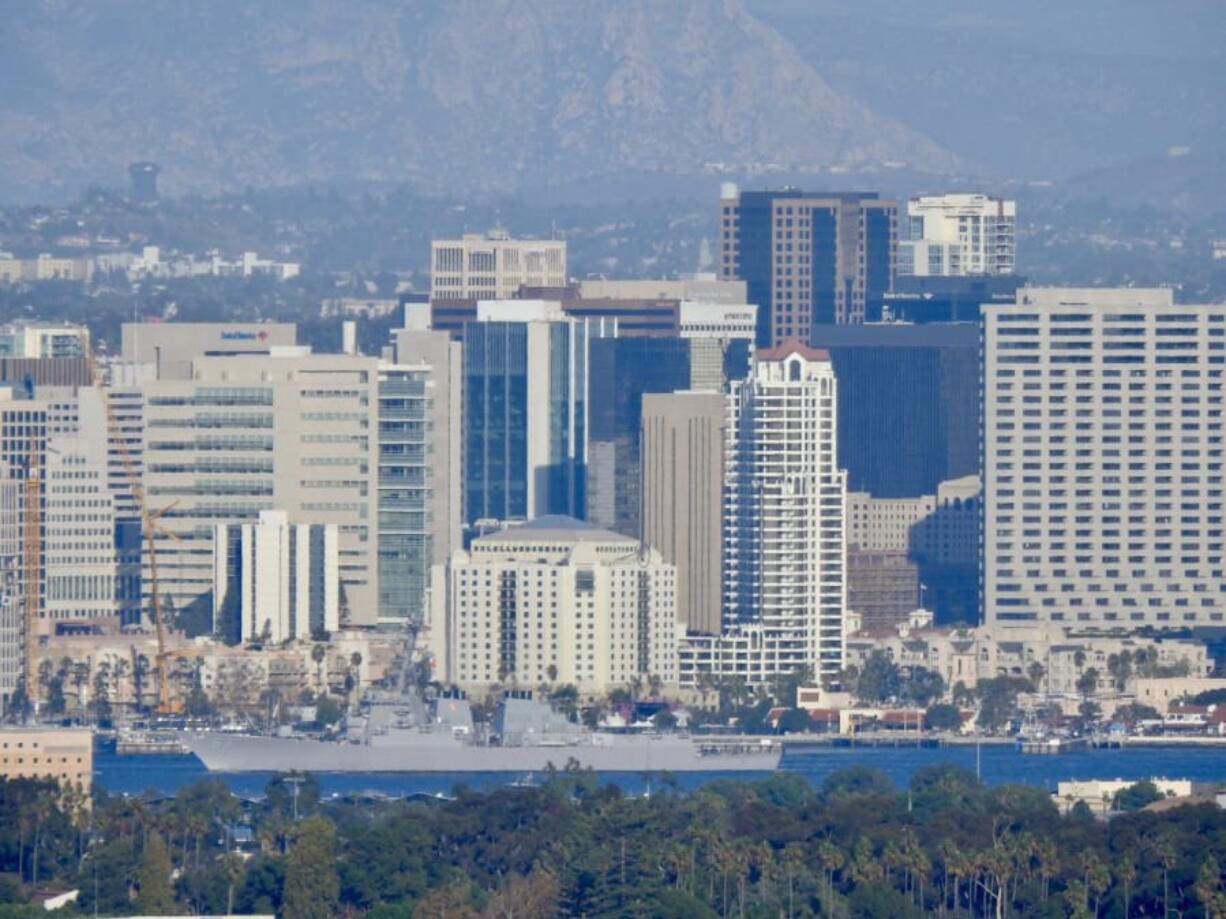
(435, 752)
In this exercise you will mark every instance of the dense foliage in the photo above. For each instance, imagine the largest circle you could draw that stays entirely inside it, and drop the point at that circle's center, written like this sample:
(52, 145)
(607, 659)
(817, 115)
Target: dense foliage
(777, 847)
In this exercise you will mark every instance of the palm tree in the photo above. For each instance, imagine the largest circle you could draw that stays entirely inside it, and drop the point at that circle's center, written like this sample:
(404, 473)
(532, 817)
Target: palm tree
(319, 654)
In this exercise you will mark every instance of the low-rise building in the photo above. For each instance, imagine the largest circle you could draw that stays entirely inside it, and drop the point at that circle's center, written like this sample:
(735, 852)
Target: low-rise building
(63, 754)
(1160, 692)
(1099, 794)
(1056, 659)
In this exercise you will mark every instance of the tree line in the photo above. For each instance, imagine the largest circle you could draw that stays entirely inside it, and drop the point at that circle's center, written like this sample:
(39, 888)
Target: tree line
(857, 846)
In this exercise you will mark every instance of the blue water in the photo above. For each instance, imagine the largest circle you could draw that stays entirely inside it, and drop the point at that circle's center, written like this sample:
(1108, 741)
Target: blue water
(166, 774)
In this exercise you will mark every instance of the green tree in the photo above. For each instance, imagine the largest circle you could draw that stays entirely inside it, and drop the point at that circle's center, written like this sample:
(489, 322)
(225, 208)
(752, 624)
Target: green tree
(1087, 683)
(1137, 796)
(312, 885)
(943, 717)
(880, 679)
(328, 711)
(155, 895)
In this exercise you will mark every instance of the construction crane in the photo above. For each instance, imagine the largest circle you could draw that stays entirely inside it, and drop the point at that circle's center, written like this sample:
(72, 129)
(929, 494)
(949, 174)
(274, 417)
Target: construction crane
(150, 528)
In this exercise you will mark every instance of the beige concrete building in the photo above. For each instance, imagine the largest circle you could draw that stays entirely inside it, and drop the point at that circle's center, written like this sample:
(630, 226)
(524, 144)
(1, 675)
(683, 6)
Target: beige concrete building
(1102, 459)
(1099, 794)
(1057, 655)
(63, 754)
(1160, 692)
(291, 431)
(554, 601)
(682, 480)
(492, 266)
(171, 346)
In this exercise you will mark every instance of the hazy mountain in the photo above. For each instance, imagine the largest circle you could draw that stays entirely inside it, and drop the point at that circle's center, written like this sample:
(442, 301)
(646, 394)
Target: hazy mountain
(501, 95)
(487, 94)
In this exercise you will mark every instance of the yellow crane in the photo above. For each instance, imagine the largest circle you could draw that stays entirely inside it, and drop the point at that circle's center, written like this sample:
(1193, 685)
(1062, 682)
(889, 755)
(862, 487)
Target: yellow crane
(150, 528)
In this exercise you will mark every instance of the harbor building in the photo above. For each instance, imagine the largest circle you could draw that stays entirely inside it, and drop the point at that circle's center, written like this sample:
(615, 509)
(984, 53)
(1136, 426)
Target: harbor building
(1102, 455)
(808, 258)
(958, 235)
(554, 601)
(493, 266)
(64, 755)
(683, 436)
(275, 581)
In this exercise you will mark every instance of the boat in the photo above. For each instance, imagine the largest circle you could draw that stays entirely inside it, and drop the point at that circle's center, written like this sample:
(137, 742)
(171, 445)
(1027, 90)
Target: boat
(1042, 743)
(399, 732)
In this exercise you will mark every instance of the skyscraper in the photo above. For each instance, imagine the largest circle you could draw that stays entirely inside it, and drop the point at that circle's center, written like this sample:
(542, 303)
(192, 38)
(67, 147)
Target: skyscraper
(1102, 455)
(956, 235)
(914, 388)
(682, 505)
(784, 509)
(525, 419)
(808, 257)
(419, 475)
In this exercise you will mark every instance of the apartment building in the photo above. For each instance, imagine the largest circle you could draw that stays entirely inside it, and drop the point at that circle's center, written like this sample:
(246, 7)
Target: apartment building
(21, 340)
(785, 588)
(958, 234)
(493, 266)
(275, 581)
(554, 601)
(63, 755)
(1102, 456)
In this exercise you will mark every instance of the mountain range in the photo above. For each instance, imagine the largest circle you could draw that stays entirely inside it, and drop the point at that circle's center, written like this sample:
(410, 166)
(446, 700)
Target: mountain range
(494, 96)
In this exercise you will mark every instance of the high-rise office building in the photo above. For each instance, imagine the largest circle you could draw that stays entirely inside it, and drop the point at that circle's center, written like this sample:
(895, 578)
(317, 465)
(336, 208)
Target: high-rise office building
(293, 431)
(555, 601)
(627, 368)
(1102, 453)
(526, 390)
(960, 234)
(275, 581)
(492, 266)
(419, 477)
(683, 439)
(908, 404)
(808, 257)
(784, 507)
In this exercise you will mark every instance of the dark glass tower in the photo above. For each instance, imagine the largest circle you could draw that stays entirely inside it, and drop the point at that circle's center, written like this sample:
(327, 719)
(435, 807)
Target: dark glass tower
(809, 258)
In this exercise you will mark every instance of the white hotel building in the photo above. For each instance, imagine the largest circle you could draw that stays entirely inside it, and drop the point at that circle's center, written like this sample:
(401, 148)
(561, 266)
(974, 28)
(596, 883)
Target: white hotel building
(555, 601)
(1102, 460)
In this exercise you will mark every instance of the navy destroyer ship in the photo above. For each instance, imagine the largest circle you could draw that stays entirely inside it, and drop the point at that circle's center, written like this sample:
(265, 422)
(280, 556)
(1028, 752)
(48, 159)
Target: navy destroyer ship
(401, 732)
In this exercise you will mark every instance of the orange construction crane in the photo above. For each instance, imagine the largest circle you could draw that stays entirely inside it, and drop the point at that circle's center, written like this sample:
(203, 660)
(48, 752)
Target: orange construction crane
(150, 528)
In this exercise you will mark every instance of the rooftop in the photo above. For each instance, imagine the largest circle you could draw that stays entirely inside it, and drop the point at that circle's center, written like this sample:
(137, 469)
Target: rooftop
(556, 527)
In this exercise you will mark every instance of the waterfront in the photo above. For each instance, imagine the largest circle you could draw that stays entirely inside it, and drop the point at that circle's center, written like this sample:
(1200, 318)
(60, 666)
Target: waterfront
(996, 765)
